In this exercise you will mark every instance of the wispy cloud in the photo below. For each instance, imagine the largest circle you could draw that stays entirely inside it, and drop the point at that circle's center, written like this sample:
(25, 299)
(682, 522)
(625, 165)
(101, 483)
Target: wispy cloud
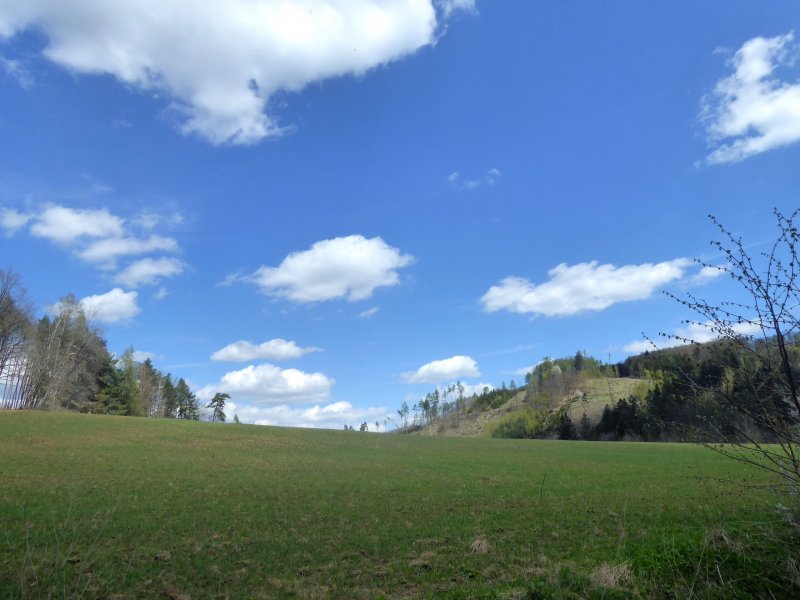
(692, 332)
(448, 7)
(369, 313)
(17, 71)
(470, 183)
(149, 271)
(276, 349)
(12, 220)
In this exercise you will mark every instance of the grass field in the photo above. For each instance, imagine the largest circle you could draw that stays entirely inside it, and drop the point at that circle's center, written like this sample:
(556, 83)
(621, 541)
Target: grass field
(104, 507)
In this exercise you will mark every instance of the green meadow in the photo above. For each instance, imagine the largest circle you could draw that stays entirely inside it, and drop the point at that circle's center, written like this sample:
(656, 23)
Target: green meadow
(107, 507)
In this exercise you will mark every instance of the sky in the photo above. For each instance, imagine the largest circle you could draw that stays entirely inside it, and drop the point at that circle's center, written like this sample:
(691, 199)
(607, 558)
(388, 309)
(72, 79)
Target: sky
(326, 207)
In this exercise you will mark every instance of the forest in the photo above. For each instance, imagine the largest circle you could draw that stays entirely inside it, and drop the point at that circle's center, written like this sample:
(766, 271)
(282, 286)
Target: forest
(62, 361)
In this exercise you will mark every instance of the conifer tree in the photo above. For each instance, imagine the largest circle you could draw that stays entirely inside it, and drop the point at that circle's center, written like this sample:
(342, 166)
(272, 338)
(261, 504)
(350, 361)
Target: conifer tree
(217, 406)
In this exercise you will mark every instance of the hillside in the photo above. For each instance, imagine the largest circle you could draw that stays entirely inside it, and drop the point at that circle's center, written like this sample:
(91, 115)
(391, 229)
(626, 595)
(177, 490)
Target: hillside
(591, 395)
(109, 507)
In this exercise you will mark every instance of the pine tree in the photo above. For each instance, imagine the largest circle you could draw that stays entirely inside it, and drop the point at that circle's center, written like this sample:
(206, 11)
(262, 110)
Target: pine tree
(217, 405)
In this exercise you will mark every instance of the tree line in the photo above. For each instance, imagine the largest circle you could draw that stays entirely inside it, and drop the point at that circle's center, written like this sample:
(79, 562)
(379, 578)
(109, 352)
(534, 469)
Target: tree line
(62, 361)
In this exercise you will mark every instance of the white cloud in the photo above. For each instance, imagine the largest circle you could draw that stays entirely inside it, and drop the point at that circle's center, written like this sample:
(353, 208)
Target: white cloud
(108, 250)
(582, 287)
(149, 220)
(347, 267)
(12, 220)
(111, 307)
(706, 274)
(148, 271)
(221, 62)
(521, 372)
(475, 388)
(327, 416)
(446, 369)
(450, 6)
(369, 313)
(102, 238)
(276, 349)
(142, 355)
(696, 332)
(17, 71)
(161, 294)
(490, 178)
(66, 225)
(268, 384)
(752, 110)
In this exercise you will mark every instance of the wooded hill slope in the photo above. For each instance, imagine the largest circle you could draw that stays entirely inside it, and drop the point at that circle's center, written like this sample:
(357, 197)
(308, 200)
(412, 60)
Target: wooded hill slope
(698, 392)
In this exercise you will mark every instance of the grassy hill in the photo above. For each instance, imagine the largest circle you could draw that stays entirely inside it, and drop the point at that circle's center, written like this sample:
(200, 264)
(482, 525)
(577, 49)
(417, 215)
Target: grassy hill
(106, 507)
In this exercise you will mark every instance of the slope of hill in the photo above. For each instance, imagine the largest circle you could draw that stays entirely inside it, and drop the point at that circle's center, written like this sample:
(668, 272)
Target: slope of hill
(590, 396)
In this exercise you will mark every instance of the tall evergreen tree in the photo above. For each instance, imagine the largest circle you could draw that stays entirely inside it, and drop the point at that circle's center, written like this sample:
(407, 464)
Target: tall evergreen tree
(187, 402)
(170, 398)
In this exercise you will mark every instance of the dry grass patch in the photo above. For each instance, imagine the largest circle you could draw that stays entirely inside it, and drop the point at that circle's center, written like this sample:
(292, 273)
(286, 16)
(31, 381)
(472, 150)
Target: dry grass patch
(611, 576)
(719, 537)
(480, 546)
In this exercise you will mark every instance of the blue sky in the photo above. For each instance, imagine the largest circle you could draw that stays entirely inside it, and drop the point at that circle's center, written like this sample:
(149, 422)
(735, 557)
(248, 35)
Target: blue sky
(327, 207)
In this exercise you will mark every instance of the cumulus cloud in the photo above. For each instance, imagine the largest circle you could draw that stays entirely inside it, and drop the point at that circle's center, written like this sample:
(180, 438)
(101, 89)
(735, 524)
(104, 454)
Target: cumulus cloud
(693, 332)
(349, 267)
(276, 349)
(753, 110)
(582, 287)
(325, 416)
(268, 384)
(221, 62)
(111, 307)
(103, 239)
(64, 225)
(448, 369)
(148, 271)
